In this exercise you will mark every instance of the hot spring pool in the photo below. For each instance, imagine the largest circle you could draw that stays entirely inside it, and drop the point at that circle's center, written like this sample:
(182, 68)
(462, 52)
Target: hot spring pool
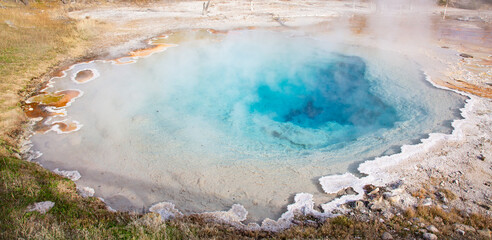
(252, 117)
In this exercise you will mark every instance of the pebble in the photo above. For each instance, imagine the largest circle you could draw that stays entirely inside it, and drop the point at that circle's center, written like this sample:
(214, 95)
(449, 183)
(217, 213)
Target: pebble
(430, 236)
(359, 205)
(427, 202)
(464, 55)
(460, 232)
(10, 24)
(432, 229)
(387, 236)
(388, 214)
(374, 192)
(442, 197)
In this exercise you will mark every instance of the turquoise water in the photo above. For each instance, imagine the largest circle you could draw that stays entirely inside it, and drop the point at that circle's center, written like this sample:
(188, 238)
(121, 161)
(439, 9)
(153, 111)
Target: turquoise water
(252, 118)
(303, 99)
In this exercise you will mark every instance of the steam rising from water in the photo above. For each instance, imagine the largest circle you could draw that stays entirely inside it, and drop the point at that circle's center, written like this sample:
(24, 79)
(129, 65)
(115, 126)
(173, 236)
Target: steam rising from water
(250, 119)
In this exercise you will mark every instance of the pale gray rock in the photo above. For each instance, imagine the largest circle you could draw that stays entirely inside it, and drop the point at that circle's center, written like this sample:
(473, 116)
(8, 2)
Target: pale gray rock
(430, 236)
(10, 24)
(388, 214)
(41, 207)
(427, 202)
(374, 192)
(387, 236)
(85, 191)
(433, 229)
(463, 227)
(166, 210)
(72, 175)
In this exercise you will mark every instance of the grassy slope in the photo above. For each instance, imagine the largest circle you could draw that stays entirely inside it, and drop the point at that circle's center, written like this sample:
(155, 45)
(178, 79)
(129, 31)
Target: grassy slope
(33, 40)
(38, 39)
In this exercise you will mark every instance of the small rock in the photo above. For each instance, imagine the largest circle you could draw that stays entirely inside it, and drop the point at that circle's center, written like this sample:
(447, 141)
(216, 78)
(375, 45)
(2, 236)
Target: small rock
(72, 175)
(387, 236)
(464, 55)
(430, 236)
(374, 192)
(110, 208)
(86, 191)
(10, 24)
(442, 197)
(387, 195)
(460, 232)
(432, 229)
(481, 157)
(421, 225)
(464, 227)
(438, 219)
(41, 207)
(396, 184)
(378, 204)
(166, 210)
(358, 205)
(347, 191)
(392, 198)
(369, 188)
(485, 233)
(388, 215)
(427, 202)
(311, 223)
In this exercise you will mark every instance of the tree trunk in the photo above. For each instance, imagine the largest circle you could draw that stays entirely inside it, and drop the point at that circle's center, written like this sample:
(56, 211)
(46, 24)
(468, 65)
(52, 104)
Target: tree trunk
(445, 9)
(205, 7)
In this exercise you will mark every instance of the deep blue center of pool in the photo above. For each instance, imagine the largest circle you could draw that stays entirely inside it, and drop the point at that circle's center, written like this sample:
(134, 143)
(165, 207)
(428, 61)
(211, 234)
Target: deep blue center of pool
(333, 91)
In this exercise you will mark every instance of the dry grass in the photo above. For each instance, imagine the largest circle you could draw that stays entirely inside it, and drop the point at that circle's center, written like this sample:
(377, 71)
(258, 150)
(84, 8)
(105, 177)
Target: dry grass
(33, 40)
